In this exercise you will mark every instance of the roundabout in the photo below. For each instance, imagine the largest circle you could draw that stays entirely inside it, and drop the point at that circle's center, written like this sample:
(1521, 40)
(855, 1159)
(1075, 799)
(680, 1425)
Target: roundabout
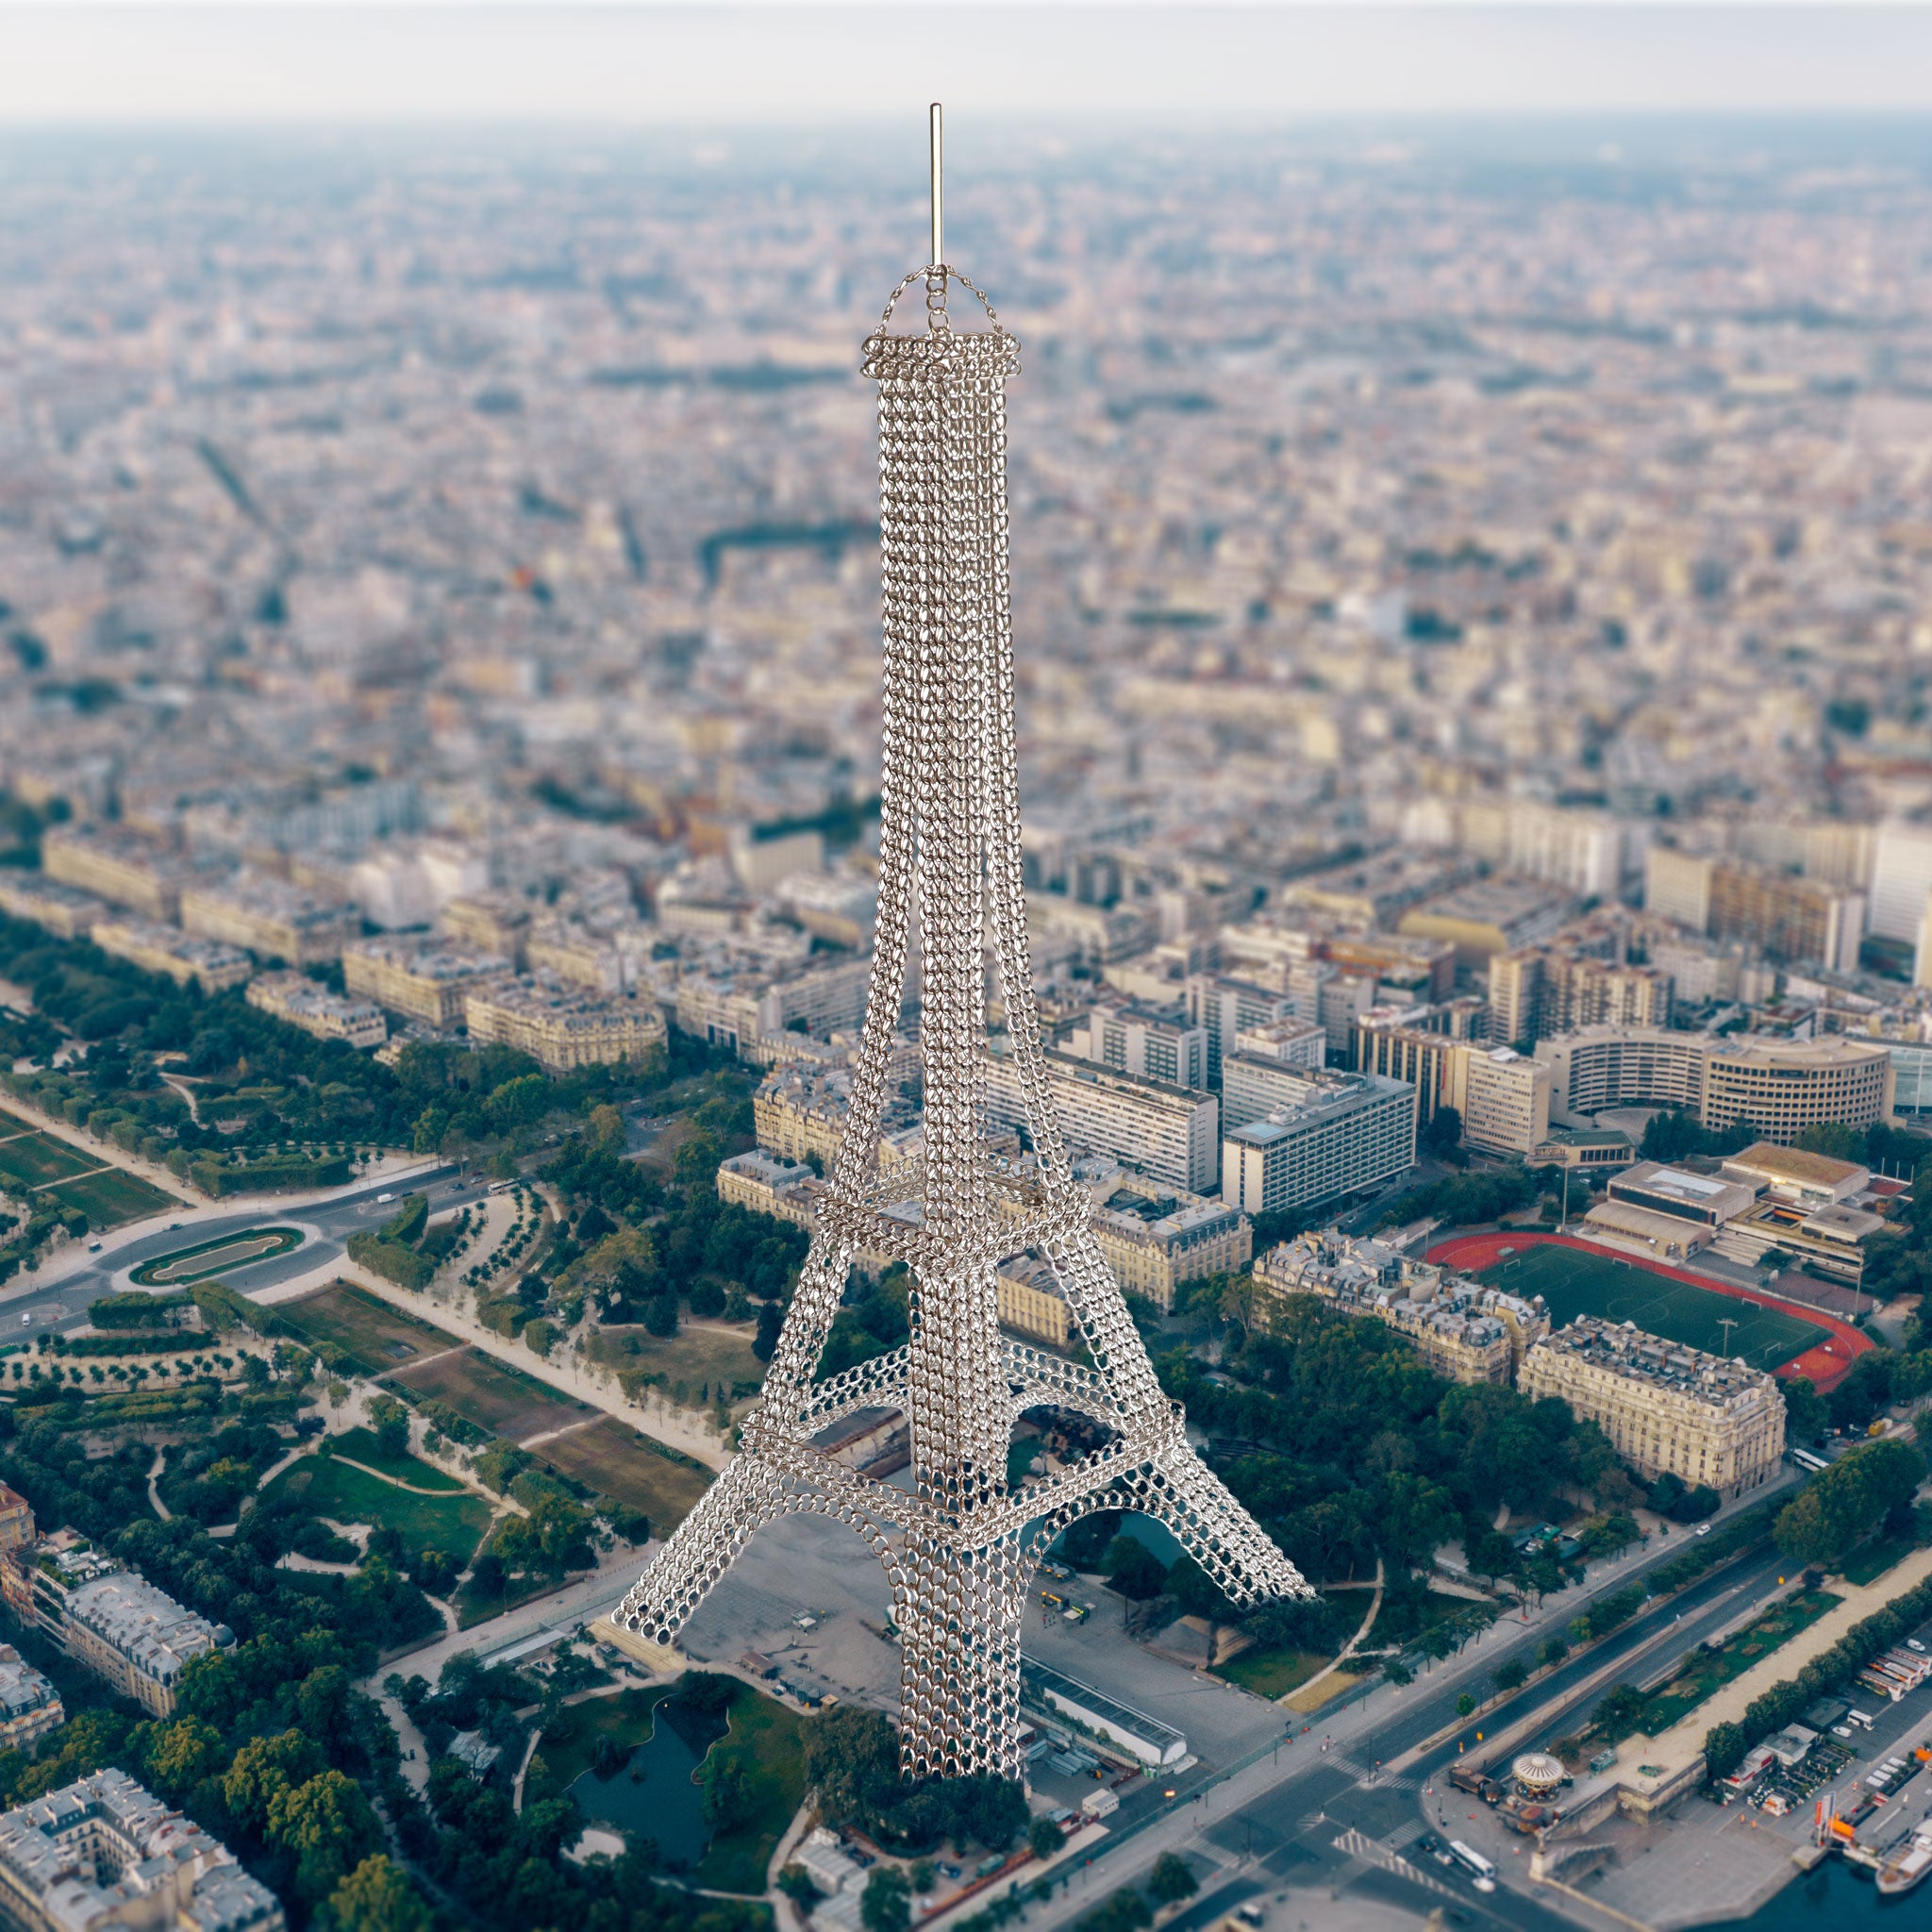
(205, 1259)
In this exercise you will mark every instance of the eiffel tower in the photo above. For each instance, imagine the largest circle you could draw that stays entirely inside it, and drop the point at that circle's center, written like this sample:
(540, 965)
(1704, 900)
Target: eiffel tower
(959, 1548)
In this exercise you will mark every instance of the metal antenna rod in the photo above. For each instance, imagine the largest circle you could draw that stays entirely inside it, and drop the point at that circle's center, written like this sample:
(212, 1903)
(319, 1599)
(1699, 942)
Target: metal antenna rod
(938, 167)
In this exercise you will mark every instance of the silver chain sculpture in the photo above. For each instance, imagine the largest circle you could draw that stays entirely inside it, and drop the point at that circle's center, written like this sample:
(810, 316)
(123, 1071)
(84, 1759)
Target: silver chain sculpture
(960, 1548)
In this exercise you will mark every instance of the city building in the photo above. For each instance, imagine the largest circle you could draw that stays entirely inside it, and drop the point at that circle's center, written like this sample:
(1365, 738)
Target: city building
(1354, 1132)
(799, 1110)
(1390, 1043)
(1582, 851)
(1149, 1046)
(1788, 919)
(1553, 990)
(1504, 1098)
(767, 1185)
(1223, 1007)
(104, 1853)
(567, 949)
(1463, 1330)
(1491, 916)
(492, 921)
(1711, 1422)
(29, 1705)
(170, 953)
(564, 1027)
(110, 1621)
(16, 1520)
(1155, 1237)
(1030, 1301)
(423, 980)
(1172, 1134)
(1624, 1066)
(298, 1001)
(1256, 1084)
(1380, 890)
(1663, 1212)
(117, 864)
(1901, 880)
(271, 918)
(1791, 1174)
(65, 911)
(1781, 1087)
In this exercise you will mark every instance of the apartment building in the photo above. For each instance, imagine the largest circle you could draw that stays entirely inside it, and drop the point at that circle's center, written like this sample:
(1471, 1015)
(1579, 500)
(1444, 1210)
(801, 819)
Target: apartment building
(298, 1001)
(1504, 1097)
(767, 1184)
(105, 1854)
(423, 980)
(1155, 1237)
(1392, 1045)
(1554, 990)
(1465, 1331)
(1676, 885)
(1172, 1134)
(1665, 1407)
(1253, 1085)
(16, 1520)
(1354, 1132)
(172, 954)
(1901, 880)
(1136, 1039)
(1600, 1067)
(1491, 916)
(569, 950)
(564, 1026)
(1783, 915)
(65, 911)
(492, 921)
(1582, 851)
(1783, 1086)
(1030, 1301)
(117, 864)
(110, 1621)
(1223, 1007)
(271, 918)
(29, 1705)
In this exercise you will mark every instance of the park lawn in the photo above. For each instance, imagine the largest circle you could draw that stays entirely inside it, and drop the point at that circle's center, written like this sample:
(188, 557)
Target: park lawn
(613, 1459)
(1271, 1673)
(768, 1743)
(373, 1335)
(454, 1524)
(12, 1123)
(489, 1393)
(113, 1197)
(1313, 1697)
(1704, 1672)
(1573, 1283)
(699, 1355)
(359, 1445)
(39, 1158)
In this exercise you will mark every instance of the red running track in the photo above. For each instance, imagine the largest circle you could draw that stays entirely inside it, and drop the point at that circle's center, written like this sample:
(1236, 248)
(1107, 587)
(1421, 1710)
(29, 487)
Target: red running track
(1827, 1363)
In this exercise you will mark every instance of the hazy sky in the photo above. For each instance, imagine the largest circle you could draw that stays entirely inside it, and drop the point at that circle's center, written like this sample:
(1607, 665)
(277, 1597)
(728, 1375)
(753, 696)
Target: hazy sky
(277, 60)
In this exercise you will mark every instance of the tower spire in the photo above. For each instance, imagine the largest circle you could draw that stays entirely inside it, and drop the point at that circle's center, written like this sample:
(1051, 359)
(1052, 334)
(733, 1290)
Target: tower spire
(958, 1549)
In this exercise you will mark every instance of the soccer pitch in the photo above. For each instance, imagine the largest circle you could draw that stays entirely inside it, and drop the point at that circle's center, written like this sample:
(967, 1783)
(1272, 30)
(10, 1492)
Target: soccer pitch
(1573, 1283)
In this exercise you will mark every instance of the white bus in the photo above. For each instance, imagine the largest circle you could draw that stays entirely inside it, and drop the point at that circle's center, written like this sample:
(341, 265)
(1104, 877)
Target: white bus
(1475, 1864)
(1808, 1458)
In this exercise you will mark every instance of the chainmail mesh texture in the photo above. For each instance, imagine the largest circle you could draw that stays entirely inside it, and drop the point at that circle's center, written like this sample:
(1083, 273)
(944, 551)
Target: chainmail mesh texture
(959, 1550)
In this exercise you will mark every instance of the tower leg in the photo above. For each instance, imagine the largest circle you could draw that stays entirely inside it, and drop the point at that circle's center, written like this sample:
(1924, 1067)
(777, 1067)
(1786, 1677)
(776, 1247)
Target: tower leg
(959, 1670)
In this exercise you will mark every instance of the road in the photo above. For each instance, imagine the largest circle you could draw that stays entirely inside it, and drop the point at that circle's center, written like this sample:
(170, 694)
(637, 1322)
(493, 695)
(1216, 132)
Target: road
(328, 1222)
(1324, 1821)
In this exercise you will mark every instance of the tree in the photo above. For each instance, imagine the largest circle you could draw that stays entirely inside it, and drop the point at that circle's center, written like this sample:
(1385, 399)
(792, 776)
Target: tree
(326, 1825)
(1805, 1411)
(1133, 1569)
(1840, 1506)
(797, 1885)
(1724, 1750)
(390, 1422)
(376, 1896)
(887, 1905)
(182, 1752)
(1397, 1672)
(1443, 1132)
(1171, 1880)
(727, 1800)
(1512, 1675)
(1043, 1839)
(765, 1342)
(264, 1769)
(1465, 1703)
(1835, 1139)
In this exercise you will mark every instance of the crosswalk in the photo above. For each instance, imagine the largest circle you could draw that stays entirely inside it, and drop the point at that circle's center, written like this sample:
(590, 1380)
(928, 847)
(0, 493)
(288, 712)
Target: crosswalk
(1358, 1848)
(1404, 1835)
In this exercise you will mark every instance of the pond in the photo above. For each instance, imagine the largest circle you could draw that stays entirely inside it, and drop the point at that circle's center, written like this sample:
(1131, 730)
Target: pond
(652, 1794)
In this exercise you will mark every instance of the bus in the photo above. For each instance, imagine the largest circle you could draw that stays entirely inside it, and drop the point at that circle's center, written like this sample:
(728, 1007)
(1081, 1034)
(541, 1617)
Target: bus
(501, 1187)
(1808, 1458)
(1475, 1864)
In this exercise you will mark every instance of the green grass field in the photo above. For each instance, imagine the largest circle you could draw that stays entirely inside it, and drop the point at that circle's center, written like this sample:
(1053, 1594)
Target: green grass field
(37, 1159)
(454, 1524)
(109, 1199)
(1704, 1672)
(767, 1741)
(1271, 1673)
(617, 1462)
(359, 1445)
(1573, 1283)
(11, 1123)
(206, 1259)
(503, 1400)
(376, 1336)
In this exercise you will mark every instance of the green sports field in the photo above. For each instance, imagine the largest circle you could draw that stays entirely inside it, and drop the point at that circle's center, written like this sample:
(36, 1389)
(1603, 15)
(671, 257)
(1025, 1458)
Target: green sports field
(1573, 1283)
